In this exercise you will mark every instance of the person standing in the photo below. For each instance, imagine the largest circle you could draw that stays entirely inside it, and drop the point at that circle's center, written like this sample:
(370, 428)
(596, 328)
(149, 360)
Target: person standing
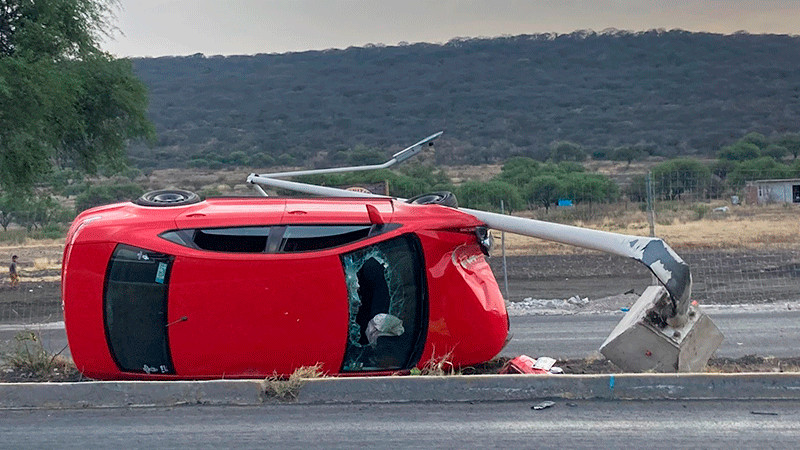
(13, 272)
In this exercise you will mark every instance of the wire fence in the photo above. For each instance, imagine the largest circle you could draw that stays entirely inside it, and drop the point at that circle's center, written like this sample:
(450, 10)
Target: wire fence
(740, 235)
(32, 302)
(741, 239)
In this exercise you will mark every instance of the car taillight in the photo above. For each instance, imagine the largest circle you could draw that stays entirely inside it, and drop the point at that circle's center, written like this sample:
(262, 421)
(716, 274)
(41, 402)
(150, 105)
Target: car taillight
(485, 239)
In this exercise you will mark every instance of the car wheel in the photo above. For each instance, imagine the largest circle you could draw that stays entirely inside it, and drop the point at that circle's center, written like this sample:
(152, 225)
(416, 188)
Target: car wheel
(443, 198)
(167, 197)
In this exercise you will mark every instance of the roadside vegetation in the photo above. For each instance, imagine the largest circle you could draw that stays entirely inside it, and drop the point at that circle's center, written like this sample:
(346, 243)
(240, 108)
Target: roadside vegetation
(597, 193)
(287, 389)
(26, 359)
(67, 109)
(616, 93)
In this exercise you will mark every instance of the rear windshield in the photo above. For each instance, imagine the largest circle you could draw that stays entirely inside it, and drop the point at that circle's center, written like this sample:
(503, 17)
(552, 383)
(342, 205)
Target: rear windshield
(135, 310)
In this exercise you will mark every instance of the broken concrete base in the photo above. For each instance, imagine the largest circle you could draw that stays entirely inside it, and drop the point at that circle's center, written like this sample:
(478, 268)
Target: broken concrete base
(637, 345)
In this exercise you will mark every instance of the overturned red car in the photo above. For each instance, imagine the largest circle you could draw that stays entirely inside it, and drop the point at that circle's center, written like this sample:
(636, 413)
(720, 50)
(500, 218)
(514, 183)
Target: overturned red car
(171, 287)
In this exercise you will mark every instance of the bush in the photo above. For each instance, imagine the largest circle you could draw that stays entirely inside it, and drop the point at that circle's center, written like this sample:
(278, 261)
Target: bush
(758, 169)
(673, 178)
(487, 196)
(105, 194)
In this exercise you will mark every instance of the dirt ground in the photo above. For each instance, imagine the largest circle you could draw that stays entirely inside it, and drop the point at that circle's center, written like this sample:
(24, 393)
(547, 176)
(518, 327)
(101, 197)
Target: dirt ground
(64, 371)
(720, 276)
(745, 364)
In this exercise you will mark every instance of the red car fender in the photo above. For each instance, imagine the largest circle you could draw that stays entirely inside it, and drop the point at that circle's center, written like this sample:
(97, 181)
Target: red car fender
(464, 295)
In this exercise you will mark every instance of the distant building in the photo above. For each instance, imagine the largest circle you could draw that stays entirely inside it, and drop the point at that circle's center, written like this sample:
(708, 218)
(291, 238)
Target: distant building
(762, 192)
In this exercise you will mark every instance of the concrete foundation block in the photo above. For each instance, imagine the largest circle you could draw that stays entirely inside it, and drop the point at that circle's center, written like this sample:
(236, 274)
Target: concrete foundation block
(638, 345)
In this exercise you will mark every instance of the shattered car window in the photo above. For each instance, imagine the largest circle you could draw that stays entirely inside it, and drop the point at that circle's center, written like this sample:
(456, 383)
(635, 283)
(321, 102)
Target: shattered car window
(387, 304)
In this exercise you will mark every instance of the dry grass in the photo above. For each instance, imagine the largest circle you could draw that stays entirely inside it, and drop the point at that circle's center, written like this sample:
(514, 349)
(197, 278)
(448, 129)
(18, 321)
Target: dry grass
(26, 359)
(287, 389)
(438, 365)
(46, 263)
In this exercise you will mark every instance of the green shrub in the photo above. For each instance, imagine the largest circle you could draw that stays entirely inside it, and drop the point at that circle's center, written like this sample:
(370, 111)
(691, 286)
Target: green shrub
(104, 194)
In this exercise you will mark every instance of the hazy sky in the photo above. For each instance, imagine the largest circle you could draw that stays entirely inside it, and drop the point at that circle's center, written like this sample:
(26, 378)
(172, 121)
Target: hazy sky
(182, 27)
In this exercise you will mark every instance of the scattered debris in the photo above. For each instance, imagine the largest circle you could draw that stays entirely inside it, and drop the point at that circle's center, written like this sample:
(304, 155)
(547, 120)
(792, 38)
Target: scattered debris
(544, 363)
(524, 364)
(572, 305)
(543, 405)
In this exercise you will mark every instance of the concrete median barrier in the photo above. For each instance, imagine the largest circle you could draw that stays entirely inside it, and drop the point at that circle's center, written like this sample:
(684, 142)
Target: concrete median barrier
(477, 388)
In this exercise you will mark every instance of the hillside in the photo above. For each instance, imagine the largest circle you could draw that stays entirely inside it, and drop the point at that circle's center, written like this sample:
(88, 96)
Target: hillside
(670, 93)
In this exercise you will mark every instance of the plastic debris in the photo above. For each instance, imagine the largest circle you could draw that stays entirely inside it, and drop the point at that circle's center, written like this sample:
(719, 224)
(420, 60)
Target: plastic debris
(544, 363)
(543, 405)
(524, 364)
(383, 325)
(578, 301)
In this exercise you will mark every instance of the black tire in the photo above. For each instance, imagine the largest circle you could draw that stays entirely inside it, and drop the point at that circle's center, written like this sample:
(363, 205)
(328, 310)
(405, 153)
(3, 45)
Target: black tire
(167, 197)
(443, 198)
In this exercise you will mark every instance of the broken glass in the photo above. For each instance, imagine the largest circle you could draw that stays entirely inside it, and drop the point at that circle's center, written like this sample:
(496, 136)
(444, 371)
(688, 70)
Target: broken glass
(383, 288)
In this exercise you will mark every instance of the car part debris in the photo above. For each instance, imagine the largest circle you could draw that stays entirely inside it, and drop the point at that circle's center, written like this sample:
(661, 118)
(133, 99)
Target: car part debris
(543, 405)
(524, 364)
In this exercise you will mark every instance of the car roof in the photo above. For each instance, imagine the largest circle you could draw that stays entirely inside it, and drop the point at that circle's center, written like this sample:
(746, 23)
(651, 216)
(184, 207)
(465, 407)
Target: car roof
(282, 210)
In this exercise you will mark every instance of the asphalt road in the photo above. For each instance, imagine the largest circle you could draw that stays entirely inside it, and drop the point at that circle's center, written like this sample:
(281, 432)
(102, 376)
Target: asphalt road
(767, 333)
(567, 424)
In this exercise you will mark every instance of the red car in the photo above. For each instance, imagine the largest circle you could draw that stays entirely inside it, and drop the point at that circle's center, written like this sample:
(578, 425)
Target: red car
(170, 287)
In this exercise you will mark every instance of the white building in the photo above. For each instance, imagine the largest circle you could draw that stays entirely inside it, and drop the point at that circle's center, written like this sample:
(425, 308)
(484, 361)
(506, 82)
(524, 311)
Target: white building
(762, 192)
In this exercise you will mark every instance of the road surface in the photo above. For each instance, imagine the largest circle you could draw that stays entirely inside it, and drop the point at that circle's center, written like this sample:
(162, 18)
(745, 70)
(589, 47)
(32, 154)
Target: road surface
(762, 333)
(567, 424)
(767, 333)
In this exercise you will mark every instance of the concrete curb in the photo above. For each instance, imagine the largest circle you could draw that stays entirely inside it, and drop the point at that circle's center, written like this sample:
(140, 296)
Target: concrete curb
(122, 394)
(409, 389)
(528, 387)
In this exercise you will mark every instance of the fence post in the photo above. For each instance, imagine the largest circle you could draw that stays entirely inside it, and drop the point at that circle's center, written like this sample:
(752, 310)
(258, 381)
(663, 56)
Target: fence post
(503, 247)
(651, 214)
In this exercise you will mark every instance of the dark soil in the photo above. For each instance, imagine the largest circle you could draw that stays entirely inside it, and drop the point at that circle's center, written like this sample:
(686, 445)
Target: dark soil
(745, 364)
(31, 302)
(719, 276)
